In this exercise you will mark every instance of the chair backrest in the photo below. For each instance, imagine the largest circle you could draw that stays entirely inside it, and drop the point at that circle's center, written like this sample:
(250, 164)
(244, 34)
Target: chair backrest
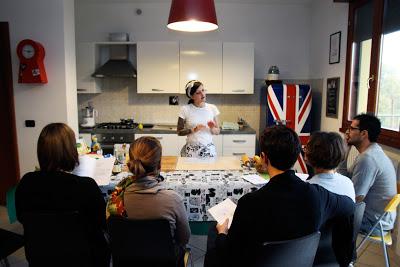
(56, 238)
(141, 242)
(392, 205)
(299, 252)
(9, 243)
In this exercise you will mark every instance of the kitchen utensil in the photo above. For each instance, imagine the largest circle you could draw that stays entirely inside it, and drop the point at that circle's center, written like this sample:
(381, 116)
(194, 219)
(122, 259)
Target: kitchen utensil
(89, 114)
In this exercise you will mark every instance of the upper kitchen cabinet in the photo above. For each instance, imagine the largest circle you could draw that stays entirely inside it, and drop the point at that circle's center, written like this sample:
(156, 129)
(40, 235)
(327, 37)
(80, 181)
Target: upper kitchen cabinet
(85, 66)
(158, 67)
(201, 61)
(238, 68)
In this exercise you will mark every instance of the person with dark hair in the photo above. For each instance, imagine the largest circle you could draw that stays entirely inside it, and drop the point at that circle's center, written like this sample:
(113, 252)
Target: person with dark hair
(372, 172)
(285, 208)
(144, 196)
(55, 189)
(198, 121)
(324, 152)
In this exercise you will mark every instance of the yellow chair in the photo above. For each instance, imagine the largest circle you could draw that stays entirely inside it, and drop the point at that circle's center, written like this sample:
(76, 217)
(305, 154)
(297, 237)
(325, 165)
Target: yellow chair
(384, 239)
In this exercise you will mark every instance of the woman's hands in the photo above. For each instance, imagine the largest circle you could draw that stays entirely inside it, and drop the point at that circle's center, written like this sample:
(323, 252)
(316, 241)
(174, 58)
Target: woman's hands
(198, 127)
(213, 125)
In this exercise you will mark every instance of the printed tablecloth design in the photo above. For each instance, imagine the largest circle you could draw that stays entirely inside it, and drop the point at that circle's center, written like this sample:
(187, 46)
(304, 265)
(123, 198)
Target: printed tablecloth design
(203, 189)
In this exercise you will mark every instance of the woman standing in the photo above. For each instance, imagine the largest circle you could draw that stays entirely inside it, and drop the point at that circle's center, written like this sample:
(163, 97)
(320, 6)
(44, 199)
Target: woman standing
(198, 121)
(55, 189)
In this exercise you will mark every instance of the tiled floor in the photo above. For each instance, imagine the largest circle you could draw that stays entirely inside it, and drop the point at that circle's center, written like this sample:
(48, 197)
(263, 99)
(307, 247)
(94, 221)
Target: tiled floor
(370, 256)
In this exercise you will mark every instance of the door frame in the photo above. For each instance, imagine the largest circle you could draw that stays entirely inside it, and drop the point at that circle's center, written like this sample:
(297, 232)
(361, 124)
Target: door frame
(9, 160)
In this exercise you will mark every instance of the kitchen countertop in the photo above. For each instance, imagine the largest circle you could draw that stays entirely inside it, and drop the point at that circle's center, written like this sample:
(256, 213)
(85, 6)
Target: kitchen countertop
(160, 130)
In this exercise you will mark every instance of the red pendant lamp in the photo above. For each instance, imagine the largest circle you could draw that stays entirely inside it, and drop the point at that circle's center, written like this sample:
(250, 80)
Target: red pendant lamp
(192, 16)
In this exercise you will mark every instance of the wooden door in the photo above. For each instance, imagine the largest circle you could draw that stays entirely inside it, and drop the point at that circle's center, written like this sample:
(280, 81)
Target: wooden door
(9, 165)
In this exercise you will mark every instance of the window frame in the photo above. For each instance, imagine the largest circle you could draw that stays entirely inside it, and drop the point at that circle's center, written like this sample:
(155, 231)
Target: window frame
(387, 137)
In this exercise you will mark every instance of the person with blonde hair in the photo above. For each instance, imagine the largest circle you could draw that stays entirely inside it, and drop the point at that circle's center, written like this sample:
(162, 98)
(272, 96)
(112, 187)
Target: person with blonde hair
(198, 121)
(144, 196)
(55, 189)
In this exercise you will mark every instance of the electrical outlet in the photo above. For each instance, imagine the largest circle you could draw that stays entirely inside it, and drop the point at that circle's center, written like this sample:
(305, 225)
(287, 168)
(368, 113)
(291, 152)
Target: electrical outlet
(174, 100)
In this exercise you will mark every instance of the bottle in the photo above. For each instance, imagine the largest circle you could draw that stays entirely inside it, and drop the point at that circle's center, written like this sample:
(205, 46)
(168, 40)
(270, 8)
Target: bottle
(95, 145)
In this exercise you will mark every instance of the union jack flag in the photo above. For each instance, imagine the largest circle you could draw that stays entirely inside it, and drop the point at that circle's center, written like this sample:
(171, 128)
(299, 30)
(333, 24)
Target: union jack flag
(290, 104)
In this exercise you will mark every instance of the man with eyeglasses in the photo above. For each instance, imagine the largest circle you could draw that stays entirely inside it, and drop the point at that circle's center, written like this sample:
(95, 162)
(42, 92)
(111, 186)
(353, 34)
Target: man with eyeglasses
(372, 172)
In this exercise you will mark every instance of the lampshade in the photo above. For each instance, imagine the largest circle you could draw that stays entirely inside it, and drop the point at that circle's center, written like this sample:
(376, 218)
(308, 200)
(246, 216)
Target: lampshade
(192, 16)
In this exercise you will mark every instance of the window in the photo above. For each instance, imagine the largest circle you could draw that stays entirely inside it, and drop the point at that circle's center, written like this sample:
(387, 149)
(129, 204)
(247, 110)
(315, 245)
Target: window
(373, 65)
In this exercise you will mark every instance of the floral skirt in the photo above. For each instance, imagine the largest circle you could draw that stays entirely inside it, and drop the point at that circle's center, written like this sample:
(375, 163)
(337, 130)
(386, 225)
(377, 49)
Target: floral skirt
(198, 151)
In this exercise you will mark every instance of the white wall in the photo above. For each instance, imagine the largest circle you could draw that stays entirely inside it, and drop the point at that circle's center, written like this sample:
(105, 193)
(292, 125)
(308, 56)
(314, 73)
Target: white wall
(280, 31)
(49, 22)
(327, 18)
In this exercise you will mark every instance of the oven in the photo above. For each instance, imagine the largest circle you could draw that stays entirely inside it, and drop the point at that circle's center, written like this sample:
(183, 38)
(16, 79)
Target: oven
(107, 140)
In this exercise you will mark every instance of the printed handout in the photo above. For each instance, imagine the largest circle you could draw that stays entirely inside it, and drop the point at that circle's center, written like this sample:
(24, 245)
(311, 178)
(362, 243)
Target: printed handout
(223, 210)
(98, 169)
(255, 179)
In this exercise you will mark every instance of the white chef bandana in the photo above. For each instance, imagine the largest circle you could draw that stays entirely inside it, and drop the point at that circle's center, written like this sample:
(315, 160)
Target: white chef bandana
(189, 86)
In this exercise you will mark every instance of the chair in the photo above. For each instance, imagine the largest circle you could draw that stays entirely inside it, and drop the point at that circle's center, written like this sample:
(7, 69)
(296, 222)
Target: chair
(9, 243)
(56, 239)
(384, 239)
(326, 256)
(298, 252)
(142, 243)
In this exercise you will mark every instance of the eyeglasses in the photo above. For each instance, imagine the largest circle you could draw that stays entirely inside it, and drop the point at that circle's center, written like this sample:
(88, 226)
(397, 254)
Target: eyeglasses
(350, 128)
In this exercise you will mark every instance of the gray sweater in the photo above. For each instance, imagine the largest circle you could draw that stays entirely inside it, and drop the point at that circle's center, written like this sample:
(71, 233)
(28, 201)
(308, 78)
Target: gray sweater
(147, 198)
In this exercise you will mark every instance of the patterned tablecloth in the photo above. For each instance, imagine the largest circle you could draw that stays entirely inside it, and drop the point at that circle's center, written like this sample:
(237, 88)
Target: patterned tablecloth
(201, 190)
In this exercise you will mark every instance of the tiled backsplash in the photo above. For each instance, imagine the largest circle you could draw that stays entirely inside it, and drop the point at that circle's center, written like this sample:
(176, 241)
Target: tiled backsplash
(120, 100)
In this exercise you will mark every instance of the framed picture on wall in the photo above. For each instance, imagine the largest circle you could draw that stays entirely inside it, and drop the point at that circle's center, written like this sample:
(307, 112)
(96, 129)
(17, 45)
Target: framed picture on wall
(332, 97)
(334, 48)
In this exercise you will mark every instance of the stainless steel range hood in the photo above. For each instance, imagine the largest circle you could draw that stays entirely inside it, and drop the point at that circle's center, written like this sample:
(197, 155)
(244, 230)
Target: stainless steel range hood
(118, 65)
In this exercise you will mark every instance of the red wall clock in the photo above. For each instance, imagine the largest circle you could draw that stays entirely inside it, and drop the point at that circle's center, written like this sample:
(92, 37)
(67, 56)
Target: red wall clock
(31, 66)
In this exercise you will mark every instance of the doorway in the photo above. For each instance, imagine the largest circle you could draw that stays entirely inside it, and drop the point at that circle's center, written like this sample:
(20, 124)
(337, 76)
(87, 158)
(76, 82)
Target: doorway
(9, 164)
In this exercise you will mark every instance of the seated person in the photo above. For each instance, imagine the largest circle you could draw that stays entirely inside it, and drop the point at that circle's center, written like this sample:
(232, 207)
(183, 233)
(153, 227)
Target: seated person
(372, 172)
(144, 196)
(285, 208)
(324, 152)
(55, 189)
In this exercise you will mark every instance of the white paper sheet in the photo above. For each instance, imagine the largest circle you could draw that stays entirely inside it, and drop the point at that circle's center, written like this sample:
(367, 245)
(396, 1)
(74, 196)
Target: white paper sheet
(255, 179)
(98, 169)
(223, 210)
(302, 176)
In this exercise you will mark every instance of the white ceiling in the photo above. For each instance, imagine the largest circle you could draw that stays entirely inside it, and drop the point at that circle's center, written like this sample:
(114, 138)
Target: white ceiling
(283, 2)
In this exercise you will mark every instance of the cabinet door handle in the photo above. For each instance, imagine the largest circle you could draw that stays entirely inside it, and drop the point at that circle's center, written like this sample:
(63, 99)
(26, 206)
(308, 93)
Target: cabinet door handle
(81, 90)
(157, 90)
(238, 90)
(238, 154)
(239, 141)
(159, 138)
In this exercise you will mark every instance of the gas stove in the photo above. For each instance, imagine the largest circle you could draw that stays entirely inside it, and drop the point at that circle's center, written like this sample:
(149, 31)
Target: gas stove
(123, 124)
(111, 133)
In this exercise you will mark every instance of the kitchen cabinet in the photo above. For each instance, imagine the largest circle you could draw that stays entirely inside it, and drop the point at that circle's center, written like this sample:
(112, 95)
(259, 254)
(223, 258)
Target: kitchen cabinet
(238, 68)
(238, 144)
(85, 67)
(217, 139)
(169, 143)
(201, 61)
(158, 67)
(172, 143)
